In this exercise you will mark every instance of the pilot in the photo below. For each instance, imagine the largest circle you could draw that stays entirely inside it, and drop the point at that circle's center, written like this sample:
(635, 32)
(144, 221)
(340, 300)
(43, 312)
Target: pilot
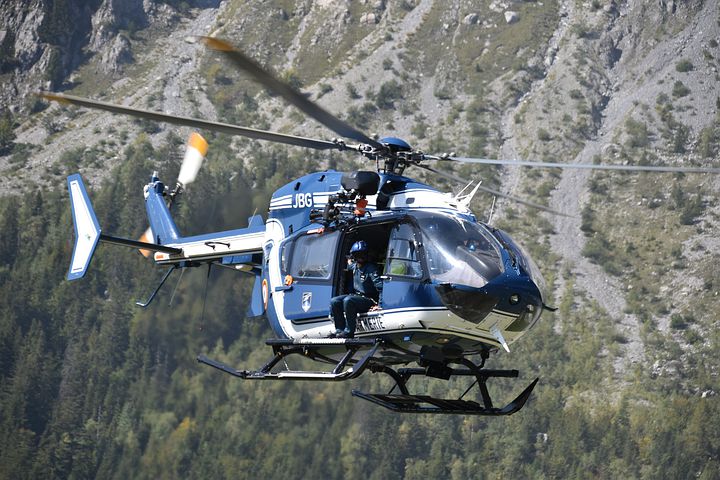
(363, 295)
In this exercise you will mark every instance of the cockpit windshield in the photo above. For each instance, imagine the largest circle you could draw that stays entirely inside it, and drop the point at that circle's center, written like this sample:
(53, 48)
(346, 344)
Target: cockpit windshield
(458, 251)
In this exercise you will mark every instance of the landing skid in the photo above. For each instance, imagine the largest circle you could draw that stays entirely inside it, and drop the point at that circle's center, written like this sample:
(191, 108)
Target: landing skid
(307, 347)
(407, 403)
(348, 367)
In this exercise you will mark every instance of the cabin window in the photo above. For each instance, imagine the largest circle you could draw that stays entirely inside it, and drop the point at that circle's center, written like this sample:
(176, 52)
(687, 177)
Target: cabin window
(403, 258)
(311, 256)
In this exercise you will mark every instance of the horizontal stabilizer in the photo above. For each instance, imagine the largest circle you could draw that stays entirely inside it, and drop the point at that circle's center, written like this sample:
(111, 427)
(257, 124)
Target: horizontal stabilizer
(87, 228)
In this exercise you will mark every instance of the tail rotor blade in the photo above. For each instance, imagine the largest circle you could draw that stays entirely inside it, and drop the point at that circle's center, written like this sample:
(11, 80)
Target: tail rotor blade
(146, 237)
(195, 153)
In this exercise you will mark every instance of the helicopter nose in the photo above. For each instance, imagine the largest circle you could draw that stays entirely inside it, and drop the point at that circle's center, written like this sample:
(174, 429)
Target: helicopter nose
(471, 304)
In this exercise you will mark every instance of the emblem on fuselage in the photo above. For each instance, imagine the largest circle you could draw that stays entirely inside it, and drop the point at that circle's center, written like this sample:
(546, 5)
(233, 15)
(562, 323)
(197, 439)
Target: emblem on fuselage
(306, 301)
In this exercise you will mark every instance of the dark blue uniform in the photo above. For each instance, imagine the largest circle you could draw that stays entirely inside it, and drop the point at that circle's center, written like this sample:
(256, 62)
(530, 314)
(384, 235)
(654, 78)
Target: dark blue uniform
(365, 292)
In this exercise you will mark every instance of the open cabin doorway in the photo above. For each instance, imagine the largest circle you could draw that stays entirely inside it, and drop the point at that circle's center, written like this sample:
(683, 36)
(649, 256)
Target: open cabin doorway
(396, 248)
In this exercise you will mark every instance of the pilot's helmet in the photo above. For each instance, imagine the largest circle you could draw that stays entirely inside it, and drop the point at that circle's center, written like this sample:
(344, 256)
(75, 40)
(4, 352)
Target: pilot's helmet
(359, 247)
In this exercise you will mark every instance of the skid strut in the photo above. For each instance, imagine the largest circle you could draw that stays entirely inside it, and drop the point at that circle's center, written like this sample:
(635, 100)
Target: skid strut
(404, 402)
(348, 367)
(309, 348)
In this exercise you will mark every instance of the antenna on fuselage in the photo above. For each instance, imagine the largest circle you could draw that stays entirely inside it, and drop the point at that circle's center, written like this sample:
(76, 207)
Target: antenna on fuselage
(492, 210)
(464, 200)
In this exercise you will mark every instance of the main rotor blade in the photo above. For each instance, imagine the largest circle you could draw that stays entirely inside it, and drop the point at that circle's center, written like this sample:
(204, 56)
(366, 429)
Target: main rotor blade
(492, 191)
(587, 166)
(194, 122)
(281, 88)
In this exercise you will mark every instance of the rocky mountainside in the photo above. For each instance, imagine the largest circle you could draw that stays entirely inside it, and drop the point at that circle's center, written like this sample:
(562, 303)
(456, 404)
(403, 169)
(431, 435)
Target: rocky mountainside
(634, 264)
(43, 42)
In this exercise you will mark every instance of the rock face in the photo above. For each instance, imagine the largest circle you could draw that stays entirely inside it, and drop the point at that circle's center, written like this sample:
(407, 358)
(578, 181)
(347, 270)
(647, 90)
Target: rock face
(369, 18)
(42, 41)
(113, 16)
(471, 19)
(116, 54)
(42, 44)
(511, 17)
(20, 42)
(46, 40)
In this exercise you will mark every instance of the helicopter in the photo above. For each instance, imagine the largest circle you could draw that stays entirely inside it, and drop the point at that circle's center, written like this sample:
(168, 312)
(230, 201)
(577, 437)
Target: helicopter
(455, 289)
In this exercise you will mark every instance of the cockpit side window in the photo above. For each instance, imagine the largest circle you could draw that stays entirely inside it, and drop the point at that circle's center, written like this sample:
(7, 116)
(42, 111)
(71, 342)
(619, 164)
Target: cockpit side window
(310, 256)
(403, 258)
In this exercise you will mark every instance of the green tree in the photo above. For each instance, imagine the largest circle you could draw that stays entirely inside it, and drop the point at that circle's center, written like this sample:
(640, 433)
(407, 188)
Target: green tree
(7, 132)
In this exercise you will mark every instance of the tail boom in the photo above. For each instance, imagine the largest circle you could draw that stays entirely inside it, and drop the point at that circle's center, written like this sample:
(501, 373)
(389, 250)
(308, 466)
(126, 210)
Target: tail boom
(241, 249)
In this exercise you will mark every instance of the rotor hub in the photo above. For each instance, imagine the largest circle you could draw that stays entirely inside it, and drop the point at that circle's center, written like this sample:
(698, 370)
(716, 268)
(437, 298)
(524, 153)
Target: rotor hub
(395, 144)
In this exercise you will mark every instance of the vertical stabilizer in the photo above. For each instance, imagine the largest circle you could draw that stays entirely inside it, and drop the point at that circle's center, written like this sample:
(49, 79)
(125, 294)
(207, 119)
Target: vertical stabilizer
(87, 228)
(161, 223)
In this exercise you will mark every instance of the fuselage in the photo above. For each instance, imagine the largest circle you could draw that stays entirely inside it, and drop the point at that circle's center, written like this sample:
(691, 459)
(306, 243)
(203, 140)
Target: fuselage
(448, 280)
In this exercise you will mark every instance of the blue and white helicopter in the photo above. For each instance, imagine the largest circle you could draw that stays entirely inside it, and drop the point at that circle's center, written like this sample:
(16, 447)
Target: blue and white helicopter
(454, 288)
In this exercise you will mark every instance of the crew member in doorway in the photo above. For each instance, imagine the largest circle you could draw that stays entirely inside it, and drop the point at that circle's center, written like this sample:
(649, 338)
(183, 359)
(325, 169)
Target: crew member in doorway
(364, 294)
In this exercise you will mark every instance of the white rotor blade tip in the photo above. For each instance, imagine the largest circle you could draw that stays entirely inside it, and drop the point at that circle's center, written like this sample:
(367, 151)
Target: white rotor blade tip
(194, 154)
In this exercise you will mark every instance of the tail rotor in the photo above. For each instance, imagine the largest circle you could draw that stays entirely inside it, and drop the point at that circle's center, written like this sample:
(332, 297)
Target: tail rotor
(195, 153)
